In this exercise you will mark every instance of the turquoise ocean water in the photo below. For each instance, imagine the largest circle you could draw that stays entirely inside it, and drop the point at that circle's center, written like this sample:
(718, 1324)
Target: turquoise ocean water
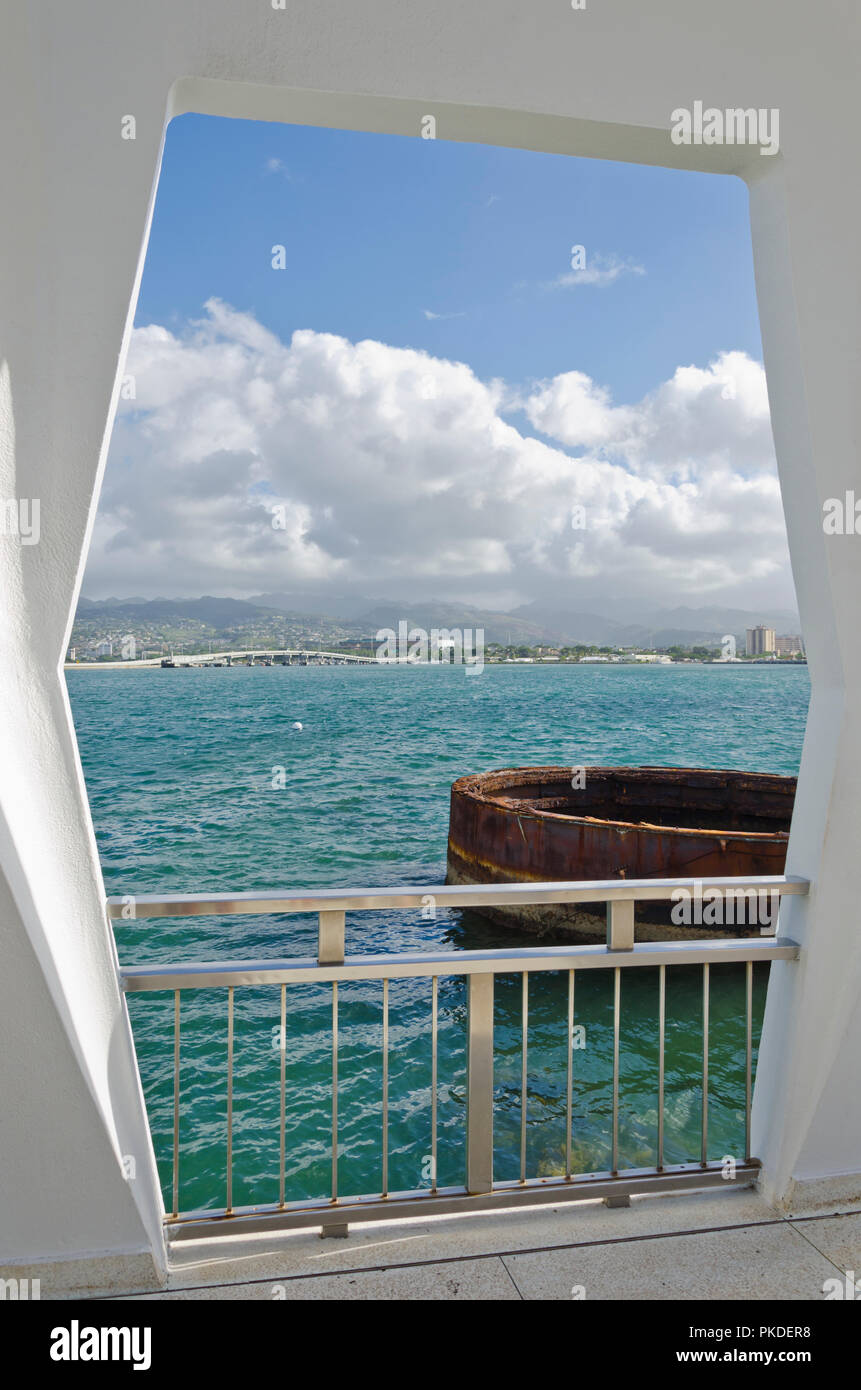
(180, 768)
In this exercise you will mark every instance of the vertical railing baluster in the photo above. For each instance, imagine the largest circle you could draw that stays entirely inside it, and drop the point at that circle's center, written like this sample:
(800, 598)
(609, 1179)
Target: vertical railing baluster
(524, 1009)
(748, 1067)
(176, 997)
(570, 1081)
(229, 1098)
(334, 1090)
(617, 985)
(282, 1180)
(705, 1120)
(662, 1027)
(434, 1071)
(479, 1087)
(385, 1191)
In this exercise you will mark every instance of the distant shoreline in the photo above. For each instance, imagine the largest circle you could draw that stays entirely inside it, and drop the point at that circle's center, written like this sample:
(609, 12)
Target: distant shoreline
(534, 665)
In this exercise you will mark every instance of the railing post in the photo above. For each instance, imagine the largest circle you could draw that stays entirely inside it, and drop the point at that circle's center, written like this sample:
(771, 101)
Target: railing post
(620, 924)
(620, 937)
(330, 938)
(330, 951)
(479, 1083)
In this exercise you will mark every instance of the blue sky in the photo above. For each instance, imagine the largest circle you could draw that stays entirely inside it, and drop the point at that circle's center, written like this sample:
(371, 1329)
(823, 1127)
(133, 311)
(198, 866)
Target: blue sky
(380, 228)
(434, 404)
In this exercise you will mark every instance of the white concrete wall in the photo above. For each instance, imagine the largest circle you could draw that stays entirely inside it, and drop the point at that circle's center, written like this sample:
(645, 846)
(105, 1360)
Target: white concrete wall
(534, 73)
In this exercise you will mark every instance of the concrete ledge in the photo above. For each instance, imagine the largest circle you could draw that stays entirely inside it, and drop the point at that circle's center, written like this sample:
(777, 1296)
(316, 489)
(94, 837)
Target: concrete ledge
(841, 1192)
(87, 1276)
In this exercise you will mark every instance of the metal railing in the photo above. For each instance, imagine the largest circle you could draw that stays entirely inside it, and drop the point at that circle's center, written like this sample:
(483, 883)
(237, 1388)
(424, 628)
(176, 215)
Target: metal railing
(480, 967)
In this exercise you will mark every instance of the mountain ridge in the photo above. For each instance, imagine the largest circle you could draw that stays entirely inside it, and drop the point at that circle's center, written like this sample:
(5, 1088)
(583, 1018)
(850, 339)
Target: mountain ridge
(530, 624)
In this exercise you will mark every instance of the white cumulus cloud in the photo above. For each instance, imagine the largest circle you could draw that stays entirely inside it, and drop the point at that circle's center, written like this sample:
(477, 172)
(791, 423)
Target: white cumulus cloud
(398, 473)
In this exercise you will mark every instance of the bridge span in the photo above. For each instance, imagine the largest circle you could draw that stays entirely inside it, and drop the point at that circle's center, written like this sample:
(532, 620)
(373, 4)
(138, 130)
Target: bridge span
(258, 656)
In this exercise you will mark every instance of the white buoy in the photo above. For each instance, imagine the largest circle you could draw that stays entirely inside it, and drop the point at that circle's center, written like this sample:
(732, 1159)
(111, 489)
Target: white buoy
(297, 725)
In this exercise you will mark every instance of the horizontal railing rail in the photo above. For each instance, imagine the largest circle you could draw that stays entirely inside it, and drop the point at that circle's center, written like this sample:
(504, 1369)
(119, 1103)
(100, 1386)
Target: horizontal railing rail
(446, 895)
(480, 968)
(138, 979)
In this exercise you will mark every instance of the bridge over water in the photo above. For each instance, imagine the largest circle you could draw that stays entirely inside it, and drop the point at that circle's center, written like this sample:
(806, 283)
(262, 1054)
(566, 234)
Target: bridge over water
(284, 656)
